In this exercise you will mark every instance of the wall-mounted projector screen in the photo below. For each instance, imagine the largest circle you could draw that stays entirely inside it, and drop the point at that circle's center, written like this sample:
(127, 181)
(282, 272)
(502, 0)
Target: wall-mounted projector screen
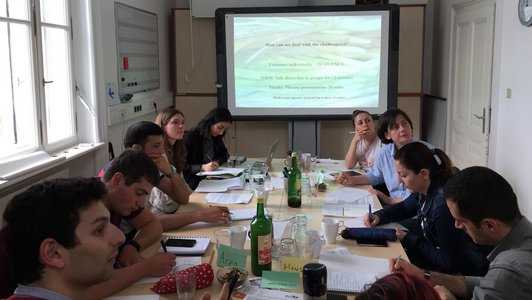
(313, 62)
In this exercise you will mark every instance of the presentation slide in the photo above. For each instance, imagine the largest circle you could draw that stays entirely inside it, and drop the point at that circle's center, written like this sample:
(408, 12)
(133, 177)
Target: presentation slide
(307, 61)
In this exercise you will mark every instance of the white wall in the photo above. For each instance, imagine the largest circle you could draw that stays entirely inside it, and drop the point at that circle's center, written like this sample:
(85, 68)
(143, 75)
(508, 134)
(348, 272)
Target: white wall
(106, 61)
(512, 123)
(509, 143)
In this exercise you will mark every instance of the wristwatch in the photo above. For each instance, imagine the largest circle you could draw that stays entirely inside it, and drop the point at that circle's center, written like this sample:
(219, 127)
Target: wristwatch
(174, 170)
(132, 243)
(426, 274)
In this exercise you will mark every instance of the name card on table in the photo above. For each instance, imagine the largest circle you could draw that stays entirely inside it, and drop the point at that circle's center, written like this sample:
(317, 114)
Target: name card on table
(231, 257)
(279, 280)
(293, 264)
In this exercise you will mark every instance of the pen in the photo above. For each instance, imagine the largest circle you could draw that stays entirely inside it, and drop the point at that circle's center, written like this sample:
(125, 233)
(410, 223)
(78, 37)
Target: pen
(164, 246)
(352, 132)
(369, 215)
(396, 265)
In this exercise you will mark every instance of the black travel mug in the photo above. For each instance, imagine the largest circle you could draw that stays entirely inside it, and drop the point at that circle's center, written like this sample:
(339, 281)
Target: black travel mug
(314, 281)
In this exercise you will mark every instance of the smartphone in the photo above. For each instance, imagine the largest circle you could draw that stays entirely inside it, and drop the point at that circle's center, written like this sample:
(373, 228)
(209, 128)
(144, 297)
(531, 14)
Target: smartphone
(180, 243)
(372, 242)
(352, 173)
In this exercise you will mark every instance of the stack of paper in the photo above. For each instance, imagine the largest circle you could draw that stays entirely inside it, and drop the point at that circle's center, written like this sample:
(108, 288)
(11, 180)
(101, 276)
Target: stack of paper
(222, 185)
(346, 210)
(228, 198)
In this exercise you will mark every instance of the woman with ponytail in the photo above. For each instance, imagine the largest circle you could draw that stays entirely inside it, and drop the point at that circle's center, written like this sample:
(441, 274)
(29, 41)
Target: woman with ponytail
(435, 243)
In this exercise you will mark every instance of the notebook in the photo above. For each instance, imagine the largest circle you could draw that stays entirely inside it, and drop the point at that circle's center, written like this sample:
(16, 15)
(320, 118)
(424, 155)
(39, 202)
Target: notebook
(343, 277)
(202, 243)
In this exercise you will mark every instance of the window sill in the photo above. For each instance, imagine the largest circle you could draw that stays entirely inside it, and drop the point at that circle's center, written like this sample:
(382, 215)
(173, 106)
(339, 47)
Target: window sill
(26, 166)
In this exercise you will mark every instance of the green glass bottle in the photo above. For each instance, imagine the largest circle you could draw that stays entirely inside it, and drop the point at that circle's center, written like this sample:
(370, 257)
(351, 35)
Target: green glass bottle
(294, 183)
(261, 240)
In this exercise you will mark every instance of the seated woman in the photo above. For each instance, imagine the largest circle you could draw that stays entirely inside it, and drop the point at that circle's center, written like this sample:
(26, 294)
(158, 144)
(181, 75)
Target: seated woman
(394, 130)
(435, 243)
(172, 121)
(365, 144)
(205, 146)
(399, 286)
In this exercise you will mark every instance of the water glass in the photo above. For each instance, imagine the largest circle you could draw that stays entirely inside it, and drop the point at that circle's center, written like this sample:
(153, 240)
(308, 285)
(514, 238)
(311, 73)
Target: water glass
(299, 229)
(305, 246)
(185, 279)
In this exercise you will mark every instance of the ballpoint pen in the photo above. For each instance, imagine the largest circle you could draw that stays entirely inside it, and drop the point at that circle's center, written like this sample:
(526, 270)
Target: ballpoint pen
(369, 215)
(396, 265)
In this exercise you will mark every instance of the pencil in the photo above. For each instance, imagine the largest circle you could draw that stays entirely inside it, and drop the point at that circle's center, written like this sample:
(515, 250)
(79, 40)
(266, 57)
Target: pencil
(396, 265)
(164, 246)
(212, 257)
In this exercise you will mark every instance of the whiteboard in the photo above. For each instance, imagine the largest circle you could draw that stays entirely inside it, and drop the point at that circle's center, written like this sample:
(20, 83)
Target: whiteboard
(137, 49)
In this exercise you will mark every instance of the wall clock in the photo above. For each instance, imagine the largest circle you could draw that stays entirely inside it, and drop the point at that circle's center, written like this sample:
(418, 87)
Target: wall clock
(524, 11)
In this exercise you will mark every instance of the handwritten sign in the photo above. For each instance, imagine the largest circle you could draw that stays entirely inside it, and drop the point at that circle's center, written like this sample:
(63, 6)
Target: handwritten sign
(293, 264)
(280, 280)
(231, 257)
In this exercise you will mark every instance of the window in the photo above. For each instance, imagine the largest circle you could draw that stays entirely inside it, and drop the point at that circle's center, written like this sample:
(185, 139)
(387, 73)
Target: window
(36, 85)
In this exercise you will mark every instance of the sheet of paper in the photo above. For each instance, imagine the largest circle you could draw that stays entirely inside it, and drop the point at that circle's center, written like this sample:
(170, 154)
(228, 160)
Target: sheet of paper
(220, 185)
(277, 183)
(223, 171)
(346, 210)
(280, 280)
(243, 214)
(336, 251)
(256, 293)
(359, 223)
(183, 260)
(349, 195)
(228, 198)
(341, 276)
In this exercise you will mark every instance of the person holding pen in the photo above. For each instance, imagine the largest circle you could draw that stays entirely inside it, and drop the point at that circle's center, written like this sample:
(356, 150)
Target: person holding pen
(434, 243)
(365, 144)
(206, 150)
(484, 205)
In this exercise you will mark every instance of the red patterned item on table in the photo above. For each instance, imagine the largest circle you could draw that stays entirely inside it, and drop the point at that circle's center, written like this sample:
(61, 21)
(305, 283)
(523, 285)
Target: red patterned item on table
(204, 274)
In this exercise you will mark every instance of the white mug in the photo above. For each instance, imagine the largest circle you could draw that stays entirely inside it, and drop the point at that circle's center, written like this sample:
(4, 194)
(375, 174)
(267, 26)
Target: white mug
(330, 226)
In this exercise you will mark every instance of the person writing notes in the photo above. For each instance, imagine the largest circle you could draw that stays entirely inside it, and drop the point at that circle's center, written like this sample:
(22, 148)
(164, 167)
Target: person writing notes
(484, 205)
(206, 150)
(434, 243)
(395, 131)
(365, 144)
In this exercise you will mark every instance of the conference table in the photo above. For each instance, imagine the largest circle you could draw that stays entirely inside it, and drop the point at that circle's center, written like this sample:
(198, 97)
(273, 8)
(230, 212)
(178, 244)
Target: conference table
(277, 205)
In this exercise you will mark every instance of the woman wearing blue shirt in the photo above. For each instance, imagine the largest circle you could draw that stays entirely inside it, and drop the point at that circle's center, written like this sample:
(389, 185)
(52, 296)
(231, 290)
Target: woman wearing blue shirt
(435, 242)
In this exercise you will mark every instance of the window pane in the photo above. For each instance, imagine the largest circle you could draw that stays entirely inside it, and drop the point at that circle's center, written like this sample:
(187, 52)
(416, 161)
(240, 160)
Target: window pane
(57, 93)
(16, 84)
(16, 9)
(54, 12)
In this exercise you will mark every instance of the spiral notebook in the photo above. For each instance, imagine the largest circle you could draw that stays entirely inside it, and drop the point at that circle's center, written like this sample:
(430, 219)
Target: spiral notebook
(342, 277)
(202, 243)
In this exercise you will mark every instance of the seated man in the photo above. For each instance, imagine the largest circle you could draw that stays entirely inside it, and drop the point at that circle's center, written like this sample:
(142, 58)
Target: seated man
(68, 242)
(172, 190)
(484, 205)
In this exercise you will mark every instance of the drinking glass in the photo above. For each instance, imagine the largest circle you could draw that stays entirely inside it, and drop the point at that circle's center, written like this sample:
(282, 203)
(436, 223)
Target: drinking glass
(185, 279)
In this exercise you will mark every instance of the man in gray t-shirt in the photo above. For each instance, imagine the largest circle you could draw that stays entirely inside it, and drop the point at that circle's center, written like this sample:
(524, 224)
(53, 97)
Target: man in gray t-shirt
(485, 207)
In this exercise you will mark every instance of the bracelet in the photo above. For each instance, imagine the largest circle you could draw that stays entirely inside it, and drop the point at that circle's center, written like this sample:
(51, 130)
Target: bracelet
(426, 274)
(133, 243)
